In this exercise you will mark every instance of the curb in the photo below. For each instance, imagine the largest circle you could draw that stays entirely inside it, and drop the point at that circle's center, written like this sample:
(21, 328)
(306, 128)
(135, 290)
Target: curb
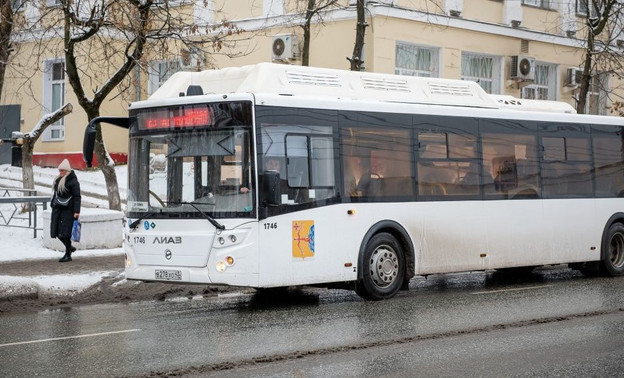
(18, 288)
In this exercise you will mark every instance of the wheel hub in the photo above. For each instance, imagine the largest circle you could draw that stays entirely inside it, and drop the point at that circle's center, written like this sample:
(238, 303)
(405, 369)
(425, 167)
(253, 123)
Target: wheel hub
(384, 266)
(616, 253)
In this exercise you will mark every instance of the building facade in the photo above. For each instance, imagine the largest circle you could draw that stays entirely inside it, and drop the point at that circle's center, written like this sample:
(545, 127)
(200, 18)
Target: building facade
(529, 49)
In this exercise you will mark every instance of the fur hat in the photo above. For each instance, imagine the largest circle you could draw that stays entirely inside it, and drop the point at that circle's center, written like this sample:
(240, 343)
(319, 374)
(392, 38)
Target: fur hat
(64, 166)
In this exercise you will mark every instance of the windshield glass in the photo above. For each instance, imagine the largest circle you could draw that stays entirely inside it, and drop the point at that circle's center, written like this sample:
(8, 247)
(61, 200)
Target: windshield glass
(208, 168)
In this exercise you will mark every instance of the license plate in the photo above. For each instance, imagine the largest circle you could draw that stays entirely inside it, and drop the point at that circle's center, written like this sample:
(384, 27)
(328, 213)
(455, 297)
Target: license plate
(169, 275)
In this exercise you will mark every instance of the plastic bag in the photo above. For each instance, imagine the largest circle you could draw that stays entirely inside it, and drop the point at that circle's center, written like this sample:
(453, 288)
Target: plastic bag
(76, 230)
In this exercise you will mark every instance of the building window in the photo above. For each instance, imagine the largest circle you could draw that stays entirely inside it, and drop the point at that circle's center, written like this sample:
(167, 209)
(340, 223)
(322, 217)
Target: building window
(54, 97)
(17, 5)
(538, 3)
(272, 8)
(545, 84)
(416, 60)
(53, 3)
(483, 69)
(585, 8)
(160, 71)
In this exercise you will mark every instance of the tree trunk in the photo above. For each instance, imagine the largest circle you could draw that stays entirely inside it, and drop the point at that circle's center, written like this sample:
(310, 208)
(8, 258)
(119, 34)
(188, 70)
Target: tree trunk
(107, 165)
(28, 145)
(6, 28)
(28, 181)
(356, 60)
(305, 53)
(587, 77)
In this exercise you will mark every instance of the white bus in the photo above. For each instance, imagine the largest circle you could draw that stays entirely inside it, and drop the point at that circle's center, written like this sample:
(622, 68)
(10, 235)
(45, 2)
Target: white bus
(275, 175)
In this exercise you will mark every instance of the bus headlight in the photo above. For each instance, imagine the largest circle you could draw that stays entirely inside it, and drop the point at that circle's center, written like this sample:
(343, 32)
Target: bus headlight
(128, 261)
(220, 266)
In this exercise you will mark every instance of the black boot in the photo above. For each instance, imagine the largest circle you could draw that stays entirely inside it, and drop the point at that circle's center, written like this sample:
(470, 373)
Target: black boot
(66, 258)
(72, 249)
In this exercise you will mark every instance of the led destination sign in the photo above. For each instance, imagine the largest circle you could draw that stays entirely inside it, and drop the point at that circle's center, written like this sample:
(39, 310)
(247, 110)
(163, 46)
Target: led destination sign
(214, 114)
(179, 117)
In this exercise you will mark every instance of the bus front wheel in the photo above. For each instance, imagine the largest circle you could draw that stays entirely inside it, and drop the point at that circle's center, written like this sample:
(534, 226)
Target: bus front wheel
(613, 256)
(383, 268)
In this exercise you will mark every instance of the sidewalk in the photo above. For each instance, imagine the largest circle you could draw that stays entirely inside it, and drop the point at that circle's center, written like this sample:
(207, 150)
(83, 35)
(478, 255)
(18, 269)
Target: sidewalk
(32, 279)
(29, 271)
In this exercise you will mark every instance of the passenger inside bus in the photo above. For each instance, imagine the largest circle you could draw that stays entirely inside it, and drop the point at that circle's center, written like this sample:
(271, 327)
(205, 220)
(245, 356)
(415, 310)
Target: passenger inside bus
(359, 180)
(289, 195)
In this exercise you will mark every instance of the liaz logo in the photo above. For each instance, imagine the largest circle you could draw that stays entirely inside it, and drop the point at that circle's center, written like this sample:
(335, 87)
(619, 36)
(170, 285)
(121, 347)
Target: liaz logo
(167, 240)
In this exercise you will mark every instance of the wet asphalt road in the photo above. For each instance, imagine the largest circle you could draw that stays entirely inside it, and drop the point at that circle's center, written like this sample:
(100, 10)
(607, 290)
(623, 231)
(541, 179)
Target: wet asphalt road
(554, 322)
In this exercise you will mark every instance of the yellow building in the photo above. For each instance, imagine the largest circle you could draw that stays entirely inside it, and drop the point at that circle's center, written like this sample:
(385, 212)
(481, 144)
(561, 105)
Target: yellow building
(530, 49)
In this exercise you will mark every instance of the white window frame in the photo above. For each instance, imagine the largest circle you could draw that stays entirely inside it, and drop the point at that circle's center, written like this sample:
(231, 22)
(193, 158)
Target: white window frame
(494, 80)
(160, 71)
(544, 4)
(18, 5)
(589, 9)
(271, 8)
(56, 131)
(53, 3)
(384, 2)
(545, 85)
(402, 68)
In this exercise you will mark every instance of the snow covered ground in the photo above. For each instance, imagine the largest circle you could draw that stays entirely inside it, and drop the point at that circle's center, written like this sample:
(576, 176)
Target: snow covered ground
(18, 243)
(92, 186)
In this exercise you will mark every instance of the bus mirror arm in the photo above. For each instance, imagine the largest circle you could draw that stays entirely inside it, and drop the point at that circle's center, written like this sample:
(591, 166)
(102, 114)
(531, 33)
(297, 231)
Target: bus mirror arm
(90, 132)
(271, 188)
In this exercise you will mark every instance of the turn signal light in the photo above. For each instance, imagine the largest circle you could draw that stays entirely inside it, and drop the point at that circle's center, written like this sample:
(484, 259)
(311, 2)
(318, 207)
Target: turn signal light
(229, 260)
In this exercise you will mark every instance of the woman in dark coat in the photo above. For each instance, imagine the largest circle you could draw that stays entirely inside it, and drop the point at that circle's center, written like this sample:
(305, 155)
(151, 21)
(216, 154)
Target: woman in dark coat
(65, 208)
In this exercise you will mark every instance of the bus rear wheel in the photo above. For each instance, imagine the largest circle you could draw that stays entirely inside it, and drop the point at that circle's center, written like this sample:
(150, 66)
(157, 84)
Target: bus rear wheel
(383, 268)
(613, 251)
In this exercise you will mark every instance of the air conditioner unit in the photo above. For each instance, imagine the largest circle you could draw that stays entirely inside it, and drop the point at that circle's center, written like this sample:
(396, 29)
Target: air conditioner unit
(522, 67)
(285, 47)
(574, 76)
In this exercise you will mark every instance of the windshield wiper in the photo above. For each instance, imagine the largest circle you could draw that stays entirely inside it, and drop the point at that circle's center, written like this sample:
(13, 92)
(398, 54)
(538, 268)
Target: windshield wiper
(134, 224)
(208, 217)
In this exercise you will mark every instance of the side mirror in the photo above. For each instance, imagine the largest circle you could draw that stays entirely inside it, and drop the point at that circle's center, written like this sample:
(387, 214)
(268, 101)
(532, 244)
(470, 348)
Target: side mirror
(271, 188)
(89, 137)
(88, 145)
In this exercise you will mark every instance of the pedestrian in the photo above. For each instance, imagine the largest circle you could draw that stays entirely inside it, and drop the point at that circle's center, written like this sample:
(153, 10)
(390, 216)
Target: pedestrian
(65, 207)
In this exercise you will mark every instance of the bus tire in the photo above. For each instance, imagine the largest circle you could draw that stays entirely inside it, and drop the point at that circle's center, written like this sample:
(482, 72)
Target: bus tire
(612, 263)
(383, 269)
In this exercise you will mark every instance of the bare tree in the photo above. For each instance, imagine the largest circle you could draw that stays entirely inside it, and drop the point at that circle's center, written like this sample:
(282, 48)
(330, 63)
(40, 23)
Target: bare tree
(603, 27)
(6, 31)
(103, 41)
(356, 59)
(29, 139)
(314, 9)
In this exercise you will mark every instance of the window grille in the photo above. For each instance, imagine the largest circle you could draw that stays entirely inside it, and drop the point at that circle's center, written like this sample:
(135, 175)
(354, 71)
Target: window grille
(413, 60)
(483, 69)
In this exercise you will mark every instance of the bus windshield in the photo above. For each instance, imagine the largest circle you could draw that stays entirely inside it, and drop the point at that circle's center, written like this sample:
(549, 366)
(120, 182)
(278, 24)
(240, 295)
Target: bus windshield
(189, 172)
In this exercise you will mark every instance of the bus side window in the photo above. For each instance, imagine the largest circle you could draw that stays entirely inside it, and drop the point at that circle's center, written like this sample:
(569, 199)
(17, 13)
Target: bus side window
(566, 168)
(608, 145)
(310, 166)
(510, 163)
(447, 164)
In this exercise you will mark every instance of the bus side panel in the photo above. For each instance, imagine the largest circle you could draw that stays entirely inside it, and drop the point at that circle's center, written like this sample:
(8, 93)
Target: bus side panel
(447, 236)
(471, 235)
(309, 247)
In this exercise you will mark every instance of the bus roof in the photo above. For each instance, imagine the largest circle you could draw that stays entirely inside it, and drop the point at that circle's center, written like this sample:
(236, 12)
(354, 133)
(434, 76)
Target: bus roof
(270, 78)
